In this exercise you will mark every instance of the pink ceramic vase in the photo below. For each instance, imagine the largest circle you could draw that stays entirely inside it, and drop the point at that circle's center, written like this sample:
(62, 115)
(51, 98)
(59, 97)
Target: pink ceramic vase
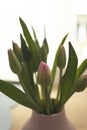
(57, 121)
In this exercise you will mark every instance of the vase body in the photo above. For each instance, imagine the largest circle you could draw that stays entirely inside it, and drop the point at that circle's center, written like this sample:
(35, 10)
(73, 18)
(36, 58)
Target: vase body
(57, 121)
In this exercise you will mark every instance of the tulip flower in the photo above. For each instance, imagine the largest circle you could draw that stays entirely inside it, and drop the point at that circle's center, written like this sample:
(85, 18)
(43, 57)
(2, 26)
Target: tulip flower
(43, 79)
(14, 63)
(61, 57)
(43, 76)
(81, 83)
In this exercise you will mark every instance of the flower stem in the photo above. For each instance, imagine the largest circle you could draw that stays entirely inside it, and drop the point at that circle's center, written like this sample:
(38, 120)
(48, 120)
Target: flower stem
(47, 100)
(59, 89)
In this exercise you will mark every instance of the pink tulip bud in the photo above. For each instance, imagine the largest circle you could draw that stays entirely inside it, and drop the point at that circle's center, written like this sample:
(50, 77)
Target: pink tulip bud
(43, 76)
(14, 62)
(81, 83)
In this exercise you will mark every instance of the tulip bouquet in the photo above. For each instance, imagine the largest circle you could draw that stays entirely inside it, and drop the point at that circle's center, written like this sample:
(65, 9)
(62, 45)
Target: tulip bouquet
(29, 62)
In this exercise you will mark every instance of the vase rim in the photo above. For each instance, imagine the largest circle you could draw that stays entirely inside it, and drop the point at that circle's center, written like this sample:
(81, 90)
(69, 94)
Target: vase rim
(51, 115)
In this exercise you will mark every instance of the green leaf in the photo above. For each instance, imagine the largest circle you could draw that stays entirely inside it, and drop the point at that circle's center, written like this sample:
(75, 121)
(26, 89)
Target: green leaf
(17, 51)
(64, 38)
(25, 50)
(81, 68)
(35, 38)
(27, 57)
(35, 51)
(26, 82)
(55, 63)
(17, 95)
(28, 67)
(69, 76)
(44, 50)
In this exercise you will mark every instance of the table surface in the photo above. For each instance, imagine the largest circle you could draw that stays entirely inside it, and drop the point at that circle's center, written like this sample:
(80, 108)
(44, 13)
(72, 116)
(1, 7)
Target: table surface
(76, 110)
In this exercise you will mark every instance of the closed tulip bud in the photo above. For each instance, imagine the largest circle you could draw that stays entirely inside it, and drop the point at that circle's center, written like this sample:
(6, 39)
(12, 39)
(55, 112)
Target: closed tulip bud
(14, 63)
(81, 83)
(43, 76)
(61, 57)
